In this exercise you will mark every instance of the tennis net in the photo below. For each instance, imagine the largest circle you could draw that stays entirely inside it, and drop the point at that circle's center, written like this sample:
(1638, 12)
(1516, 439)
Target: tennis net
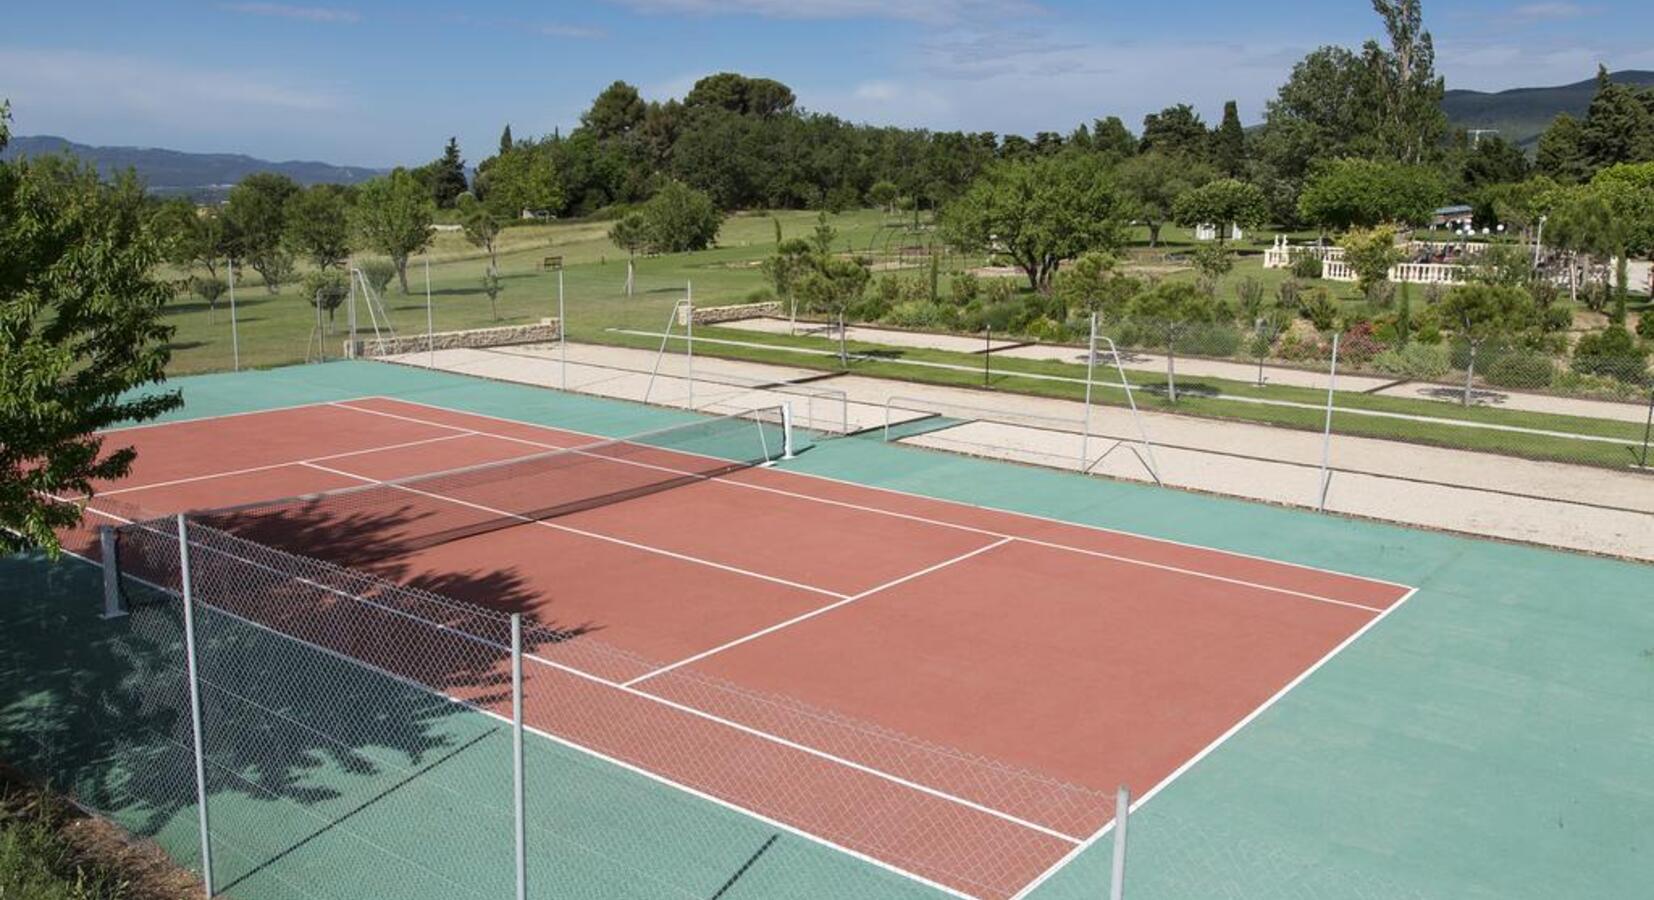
(388, 518)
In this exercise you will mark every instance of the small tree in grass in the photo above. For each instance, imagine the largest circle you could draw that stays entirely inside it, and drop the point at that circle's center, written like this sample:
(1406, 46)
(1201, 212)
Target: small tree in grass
(883, 195)
(326, 290)
(209, 289)
(831, 285)
(378, 273)
(492, 287)
(631, 234)
(394, 215)
(1484, 312)
(1171, 310)
(1221, 203)
(481, 225)
(791, 260)
(1371, 253)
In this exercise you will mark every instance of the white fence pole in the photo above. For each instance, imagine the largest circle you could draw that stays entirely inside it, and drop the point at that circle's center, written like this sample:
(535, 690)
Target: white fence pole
(430, 328)
(1326, 435)
(1122, 814)
(235, 327)
(562, 333)
(689, 338)
(1090, 367)
(113, 608)
(517, 793)
(1136, 417)
(195, 704)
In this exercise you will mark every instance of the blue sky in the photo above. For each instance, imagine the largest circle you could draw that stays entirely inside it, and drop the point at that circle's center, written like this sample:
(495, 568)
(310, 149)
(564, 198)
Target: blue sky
(377, 82)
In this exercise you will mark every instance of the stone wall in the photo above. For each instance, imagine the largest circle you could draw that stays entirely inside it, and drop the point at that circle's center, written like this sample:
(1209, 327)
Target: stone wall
(503, 336)
(711, 315)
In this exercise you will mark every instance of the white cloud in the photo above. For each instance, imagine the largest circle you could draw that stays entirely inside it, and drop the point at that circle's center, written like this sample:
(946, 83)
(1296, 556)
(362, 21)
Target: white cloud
(305, 13)
(929, 11)
(1547, 12)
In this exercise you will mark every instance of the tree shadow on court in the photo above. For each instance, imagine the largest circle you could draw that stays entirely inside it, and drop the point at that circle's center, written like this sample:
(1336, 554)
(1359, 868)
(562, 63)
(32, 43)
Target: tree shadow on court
(321, 688)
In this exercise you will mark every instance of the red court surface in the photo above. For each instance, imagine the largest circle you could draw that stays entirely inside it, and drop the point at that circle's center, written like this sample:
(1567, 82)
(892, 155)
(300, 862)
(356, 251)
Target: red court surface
(893, 626)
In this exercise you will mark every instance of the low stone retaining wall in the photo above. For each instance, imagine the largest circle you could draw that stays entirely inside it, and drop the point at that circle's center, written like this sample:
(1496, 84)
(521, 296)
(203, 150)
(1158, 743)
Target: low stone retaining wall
(711, 315)
(503, 336)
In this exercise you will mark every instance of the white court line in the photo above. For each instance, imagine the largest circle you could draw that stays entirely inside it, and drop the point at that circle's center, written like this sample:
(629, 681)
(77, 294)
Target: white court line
(1219, 741)
(652, 776)
(528, 520)
(816, 612)
(1129, 560)
(281, 465)
(234, 415)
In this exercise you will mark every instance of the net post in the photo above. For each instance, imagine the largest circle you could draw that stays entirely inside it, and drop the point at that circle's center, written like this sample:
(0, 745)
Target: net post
(351, 318)
(194, 672)
(563, 333)
(1326, 433)
(787, 448)
(1122, 814)
(113, 608)
(517, 792)
(689, 338)
(1090, 369)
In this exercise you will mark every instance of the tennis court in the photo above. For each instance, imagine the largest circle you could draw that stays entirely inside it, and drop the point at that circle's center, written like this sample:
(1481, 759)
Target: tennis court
(946, 692)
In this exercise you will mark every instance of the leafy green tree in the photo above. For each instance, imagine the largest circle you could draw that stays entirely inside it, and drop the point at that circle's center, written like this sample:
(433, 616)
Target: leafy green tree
(1582, 225)
(192, 236)
(523, 179)
(1618, 126)
(1411, 121)
(1360, 193)
(1492, 161)
(1228, 143)
(492, 286)
(1175, 131)
(1221, 203)
(1611, 352)
(1039, 212)
(326, 289)
(378, 273)
(1480, 313)
(739, 94)
(1153, 181)
(883, 194)
(257, 211)
(1628, 191)
(209, 289)
(1094, 284)
(81, 329)
(1371, 252)
(791, 260)
(681, 219)
(393, 215)
(448, 179)
(1212, 262)
(1561, 153)
(630, 233)
(481, 225)
(1111, 137)
(318, 225)
(1171, 310)
(832, 285)
(616, 112)
(823, 235)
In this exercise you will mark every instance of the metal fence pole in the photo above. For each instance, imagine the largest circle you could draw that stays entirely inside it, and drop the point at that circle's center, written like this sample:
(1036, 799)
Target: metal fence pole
(235, 327)
(351, 349)
(1122, 814)
(517, 793)
(1326, 434)
(113, 608)
(430, 326)
(1648, 428)
(562, 333)
(1090, 367)
(195, 703)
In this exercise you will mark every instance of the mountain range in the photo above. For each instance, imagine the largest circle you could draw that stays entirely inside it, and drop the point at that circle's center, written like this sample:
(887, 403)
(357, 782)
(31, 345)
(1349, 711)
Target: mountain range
(1518, 115)
(200, 175)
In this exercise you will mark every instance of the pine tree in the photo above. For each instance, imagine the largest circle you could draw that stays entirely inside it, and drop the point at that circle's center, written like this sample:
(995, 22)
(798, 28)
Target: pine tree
(1618, 126)
(1229, 143)
(505, 139)
(448, 180)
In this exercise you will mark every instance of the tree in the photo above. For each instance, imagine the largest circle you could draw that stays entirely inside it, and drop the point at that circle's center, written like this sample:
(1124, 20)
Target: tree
(1094, 284)
(492, 286)
(1229, 143)
(192, 236)
(630, 233)
(209, 289)
(680, 219)
(616, 112)
(1411, 122)
(1628, 191)
(524, 178)
(393, 215)
(1039, 212)
(1153, 182)
(1361, 193)
(318, 225)
(784, 268)
(883, 194)
(1175, 131)
(739, 94)
(257, 211)
(1221, 203)
(1560, 154)
(1492, 161)
(1111, 137)
(831, 285)
(506, 143)
(1582, 225)
(326, 289)
(1171, 309)
(448, 176)
(481, 226)
(1483, 312)
(81, 328)
(1371, 253)
(1618, 126)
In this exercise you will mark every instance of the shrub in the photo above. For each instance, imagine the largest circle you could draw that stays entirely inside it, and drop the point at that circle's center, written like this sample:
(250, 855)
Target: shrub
(1611, 352)
(966, 288)
(1416, 360)
(1250, 293)
(1521, 370)
(1306, 267)
(326, 289)
(1319, 309)
(1645, 323)
(760, 295)
(1220, 339)
(379, 273)
(916, 314)
(1358, 344)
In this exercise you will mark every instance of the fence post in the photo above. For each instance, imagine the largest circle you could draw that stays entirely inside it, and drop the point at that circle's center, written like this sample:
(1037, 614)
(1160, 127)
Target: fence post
(195, 702)
(562, 332)
(689, 339)
(235, 327)
(1326, 434)
(1090, 367)
(1648, 428)
(113, 608)
(430, 328)
(1122, 814)
(517, 793)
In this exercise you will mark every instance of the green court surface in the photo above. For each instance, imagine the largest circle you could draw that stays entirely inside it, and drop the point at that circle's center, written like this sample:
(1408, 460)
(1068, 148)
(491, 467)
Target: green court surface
(1489, 738)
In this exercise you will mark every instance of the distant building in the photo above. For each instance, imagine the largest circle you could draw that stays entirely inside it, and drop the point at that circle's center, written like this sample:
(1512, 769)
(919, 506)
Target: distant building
(1449, 216)
(1209, 232)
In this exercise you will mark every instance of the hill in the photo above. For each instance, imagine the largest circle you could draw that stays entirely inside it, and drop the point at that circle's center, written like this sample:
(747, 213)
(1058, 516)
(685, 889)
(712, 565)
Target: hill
(200, 175)
(1520, 114)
